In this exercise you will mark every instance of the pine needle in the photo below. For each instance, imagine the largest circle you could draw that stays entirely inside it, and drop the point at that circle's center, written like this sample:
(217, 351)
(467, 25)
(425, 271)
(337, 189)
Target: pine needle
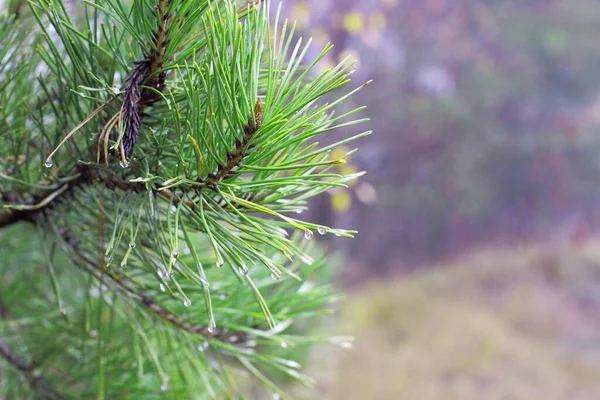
(78, 127)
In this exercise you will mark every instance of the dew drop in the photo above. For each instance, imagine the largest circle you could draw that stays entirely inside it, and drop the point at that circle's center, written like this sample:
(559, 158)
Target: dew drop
(307, 260)
(298, 211)
(173, 209)
(220, 262)
(163, 288)
(292, 364)
(276, 396)
(222, 296)
(170, 275)
(93, 333)
(165, 384)
(175, 254)
(124, 164)
(275, 276)
(338, 234)
(187, 302)
(345, 342)
(132, 245)
(63, 312)
(160, 273)
(48, 163)
(308, 235)
(203, 346)
(243, 271)
(321, 231)
(211, 328)
(284, 345)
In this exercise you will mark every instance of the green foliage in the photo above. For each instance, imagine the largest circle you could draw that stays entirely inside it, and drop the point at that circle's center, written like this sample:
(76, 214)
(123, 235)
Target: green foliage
(153, 159)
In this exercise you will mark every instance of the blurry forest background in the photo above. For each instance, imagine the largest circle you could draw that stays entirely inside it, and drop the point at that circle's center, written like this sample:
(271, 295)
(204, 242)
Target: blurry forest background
(476, 272)
(485, 117)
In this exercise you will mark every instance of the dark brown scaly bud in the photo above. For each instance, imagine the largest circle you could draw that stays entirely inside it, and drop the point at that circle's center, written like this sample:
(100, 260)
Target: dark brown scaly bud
(133, 105)
(258, 113)
(146, 72)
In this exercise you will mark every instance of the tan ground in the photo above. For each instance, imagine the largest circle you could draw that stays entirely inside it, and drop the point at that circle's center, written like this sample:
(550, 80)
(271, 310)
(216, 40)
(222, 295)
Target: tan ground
(514, 325)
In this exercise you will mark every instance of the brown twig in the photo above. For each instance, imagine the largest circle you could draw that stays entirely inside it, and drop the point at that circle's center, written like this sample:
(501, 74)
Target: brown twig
(35, 379)
(85, 175)
(4, 311)
(154, 308)
(235, 157)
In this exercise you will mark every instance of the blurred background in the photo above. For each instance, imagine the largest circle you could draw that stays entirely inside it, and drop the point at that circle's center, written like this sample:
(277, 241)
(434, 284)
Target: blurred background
(476, 272)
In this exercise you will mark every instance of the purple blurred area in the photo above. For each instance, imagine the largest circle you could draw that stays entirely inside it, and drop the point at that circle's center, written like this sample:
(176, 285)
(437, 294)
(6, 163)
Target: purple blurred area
(483, 162)
(485, 117)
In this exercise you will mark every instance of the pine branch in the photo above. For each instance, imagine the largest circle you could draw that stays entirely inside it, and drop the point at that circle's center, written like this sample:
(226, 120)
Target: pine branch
(235, 157)
(35, 379)
(12, 217)
(86, 174)
(232, 337)
(13, 359)
(41, 202)
(215, 184)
